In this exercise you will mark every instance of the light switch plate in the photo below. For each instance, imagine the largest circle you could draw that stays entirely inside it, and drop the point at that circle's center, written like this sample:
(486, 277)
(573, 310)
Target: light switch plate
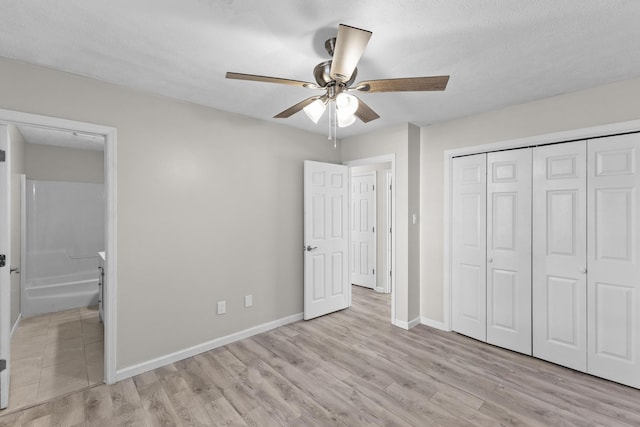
(222, 307)
(248, 300)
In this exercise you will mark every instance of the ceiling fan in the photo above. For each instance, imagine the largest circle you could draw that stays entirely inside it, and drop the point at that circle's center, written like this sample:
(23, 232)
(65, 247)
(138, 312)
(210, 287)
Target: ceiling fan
(336, 78)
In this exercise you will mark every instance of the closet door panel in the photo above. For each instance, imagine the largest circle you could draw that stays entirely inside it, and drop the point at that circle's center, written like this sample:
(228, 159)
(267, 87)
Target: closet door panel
(509, 249)
(559, 254)
(613, 258)
(469, 246)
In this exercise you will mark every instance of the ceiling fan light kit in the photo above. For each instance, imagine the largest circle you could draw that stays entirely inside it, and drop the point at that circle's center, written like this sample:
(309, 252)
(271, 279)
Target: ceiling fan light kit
(336, 78)
(315, 110)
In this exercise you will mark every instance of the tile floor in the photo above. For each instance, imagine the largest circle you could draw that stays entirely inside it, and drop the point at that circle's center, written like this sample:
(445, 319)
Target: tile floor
(54, 354)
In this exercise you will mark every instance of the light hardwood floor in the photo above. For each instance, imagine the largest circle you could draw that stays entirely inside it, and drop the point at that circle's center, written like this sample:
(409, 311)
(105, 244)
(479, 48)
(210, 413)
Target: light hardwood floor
(350, 368)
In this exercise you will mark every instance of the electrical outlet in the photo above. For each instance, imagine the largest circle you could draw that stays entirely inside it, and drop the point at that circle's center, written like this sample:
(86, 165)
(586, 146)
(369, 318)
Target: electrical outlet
(248, 300)
(222, 307)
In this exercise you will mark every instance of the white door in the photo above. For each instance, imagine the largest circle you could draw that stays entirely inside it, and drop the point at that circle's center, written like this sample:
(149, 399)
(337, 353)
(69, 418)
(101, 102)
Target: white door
(469, 246)
(560, 254)
(613, 277)
(5, 292)
(326, 240)
(509, 249)
(363, 229)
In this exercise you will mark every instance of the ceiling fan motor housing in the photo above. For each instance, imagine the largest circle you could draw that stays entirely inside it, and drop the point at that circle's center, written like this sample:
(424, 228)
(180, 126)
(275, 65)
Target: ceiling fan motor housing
(321, 74)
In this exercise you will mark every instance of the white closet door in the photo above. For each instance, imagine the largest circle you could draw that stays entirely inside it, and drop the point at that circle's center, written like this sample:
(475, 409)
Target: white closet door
(613, 280)
(509, 249)
(469, 246)
(560, 254)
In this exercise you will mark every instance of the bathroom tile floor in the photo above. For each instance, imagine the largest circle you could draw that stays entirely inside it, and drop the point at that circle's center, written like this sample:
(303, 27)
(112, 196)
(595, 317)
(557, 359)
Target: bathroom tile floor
(54, 354)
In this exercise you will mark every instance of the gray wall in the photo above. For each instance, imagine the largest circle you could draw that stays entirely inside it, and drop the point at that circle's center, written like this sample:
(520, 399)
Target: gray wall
(617, 102)
(17, 159)
(51, 163)
(209, 208)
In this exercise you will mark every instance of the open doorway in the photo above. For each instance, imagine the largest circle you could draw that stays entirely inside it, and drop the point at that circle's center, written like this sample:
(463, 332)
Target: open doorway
(76, 342)
(371, 226)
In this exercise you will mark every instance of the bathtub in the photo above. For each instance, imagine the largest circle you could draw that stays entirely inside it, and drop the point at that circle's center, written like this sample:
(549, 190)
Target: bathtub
(58, 293)
(62, 235)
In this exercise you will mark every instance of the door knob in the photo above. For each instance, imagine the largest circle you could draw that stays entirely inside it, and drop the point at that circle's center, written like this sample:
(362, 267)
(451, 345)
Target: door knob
(490, 260)
(583, 270)
(309, 248)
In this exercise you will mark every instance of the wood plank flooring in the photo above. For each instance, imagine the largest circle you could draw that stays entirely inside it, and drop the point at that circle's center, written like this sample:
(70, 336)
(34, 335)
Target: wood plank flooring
(350, 368)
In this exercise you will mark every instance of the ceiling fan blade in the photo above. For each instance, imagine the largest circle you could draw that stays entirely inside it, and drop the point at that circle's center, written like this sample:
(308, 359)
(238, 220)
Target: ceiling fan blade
(295, 108)
(267, 79)
(408, 84)
(350, 44)
(365, 113)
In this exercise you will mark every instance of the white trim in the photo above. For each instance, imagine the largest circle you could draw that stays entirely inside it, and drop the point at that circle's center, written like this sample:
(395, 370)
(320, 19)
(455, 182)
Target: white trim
(384, 159)
(23, 239)
(109, 286)
(433, 323)
(111, 216)
(206, 346)
(5, 279)
(16, 324)
(564, 136)
(446, 270)
(388, 174)
(550, 138)
(407, 325)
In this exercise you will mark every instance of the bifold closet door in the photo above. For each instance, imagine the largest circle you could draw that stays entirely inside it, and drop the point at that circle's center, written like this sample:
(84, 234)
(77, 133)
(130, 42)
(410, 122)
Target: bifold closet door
(509, 249)
(613, 279)
(469, 246)
(560, 254)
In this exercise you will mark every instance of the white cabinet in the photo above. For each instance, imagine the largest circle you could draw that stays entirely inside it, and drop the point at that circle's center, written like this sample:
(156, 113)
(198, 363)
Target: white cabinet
(545, 253)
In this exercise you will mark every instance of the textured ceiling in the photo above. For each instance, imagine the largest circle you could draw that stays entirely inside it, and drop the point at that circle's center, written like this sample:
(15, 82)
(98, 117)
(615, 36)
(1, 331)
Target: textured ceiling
(498, 52)
(60, 138)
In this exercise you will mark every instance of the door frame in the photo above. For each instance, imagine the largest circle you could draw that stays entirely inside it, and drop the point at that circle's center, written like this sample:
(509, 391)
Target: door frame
(389, 225)
(385, 158)
(533, 141)
(10, 117)
(5, 286)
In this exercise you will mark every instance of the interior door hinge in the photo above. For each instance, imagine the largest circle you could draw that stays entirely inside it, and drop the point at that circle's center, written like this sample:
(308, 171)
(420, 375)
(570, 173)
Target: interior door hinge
(374, 188)
(3, 260)
(3, 365)
(373, 229)
(374, 271)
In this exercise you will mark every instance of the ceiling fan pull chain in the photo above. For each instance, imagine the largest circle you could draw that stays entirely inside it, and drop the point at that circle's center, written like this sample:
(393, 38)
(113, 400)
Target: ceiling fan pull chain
(330, 115)
(335, 124)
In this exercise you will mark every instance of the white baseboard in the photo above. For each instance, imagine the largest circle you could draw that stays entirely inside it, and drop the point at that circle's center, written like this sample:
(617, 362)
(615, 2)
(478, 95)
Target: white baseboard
(433, 323)
(15, 325)
(149, 365)
(406, 325)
